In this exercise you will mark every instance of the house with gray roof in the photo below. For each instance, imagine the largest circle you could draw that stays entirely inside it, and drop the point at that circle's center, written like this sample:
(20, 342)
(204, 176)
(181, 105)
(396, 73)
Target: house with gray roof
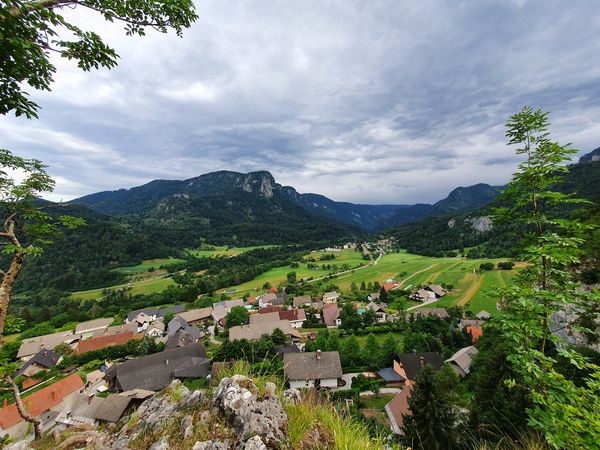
(302, 300)
(30, 347)
(92, 325)
(44, 359)
(256, 331)
(442, 313)
(483, 315)
(156, 371)
(461, 360)
(312, 369)
(196, 316)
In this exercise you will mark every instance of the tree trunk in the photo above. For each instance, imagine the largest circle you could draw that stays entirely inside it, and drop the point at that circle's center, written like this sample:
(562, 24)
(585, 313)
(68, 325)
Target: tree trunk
(37, 423)
(6, 288)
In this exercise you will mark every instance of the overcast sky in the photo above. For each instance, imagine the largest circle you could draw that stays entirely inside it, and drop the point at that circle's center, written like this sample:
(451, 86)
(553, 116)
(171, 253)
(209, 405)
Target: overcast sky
(366, 101)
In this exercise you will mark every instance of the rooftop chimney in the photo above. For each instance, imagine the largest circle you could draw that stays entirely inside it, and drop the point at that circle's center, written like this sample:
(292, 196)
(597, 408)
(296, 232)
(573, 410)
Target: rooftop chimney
(422, 361)
(318, 354)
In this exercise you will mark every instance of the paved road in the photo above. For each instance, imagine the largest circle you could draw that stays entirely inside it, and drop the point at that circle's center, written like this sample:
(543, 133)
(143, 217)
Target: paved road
(211, 335)
(412, 275)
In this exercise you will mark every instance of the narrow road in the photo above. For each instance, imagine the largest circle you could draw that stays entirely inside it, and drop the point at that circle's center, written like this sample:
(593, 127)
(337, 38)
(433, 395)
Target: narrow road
(374, 263)
(469, 293)
(410, 276)
(381, 391)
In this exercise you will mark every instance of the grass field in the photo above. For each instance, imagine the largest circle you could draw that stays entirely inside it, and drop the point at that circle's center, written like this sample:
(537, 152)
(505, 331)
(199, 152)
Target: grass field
(213, 251)
(148, 264)
(142, 287)
(471, 290)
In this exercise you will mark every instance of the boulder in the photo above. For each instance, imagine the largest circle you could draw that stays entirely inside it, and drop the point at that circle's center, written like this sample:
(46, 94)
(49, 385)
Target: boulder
(19, 445)
(254, 443)
(187, 427)
(211, 445)
(161, 444)
(237, 398)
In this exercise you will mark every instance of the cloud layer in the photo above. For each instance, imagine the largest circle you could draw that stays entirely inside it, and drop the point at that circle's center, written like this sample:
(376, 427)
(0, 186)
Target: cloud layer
(374, 102)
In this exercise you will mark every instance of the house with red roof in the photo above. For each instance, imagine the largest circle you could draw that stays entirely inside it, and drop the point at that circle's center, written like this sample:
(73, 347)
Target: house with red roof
(297, 317)
(46, 404)
(101, 342)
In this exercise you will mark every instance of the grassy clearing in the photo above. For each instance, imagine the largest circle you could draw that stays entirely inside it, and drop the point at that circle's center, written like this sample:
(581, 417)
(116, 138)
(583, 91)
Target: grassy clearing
(141, 287)
(376, 401)
(149, 264)
(213, 251)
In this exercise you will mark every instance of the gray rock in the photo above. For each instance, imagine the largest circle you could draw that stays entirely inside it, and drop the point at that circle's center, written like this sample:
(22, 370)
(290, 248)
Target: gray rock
(195, 399)
(270, 388)
(254, 443)
(187, 427)
(19, 445)
(236, 397)
(204, 417)
(211, 445)
(161, 444)
(292, 395)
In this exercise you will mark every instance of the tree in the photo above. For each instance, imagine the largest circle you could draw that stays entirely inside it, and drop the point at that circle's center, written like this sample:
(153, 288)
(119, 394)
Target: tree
(389, 349)
(6, 371)
(28, 225)
(552, 246)
(350, 352)
(29, 33)
(278, 337)
(431, 422)
(372, 352)
(363, 286)
(383, 295)
(291, 277)
(486, 266)
(350, 318)
(238, 315)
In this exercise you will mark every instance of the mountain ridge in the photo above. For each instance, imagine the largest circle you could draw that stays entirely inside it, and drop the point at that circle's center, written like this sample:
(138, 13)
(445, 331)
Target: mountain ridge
(143, 198)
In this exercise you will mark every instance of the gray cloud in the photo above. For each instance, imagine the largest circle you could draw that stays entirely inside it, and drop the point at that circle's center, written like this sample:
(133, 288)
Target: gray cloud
(386, 102)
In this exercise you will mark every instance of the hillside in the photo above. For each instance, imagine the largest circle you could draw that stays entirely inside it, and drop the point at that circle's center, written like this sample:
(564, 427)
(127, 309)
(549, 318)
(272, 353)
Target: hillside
(437, 236)
(216, 201)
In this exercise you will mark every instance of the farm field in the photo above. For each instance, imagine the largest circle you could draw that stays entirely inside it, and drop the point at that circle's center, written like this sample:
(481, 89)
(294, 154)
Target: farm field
(141, 287)
(148, 264)
(279, 274)
(471, 290)
(215, 251)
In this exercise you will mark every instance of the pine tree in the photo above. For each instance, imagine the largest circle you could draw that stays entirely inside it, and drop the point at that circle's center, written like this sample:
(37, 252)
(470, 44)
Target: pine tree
(431, 422)
(388, 351)
(363, 286)
(372, 352)
(383, 295)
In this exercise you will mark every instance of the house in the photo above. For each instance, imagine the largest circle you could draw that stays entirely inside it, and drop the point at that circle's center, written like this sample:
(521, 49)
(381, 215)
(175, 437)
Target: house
(272, 299)
(150, 313)
(228, 304)
(141, 321)
(45, 404)
(156, 329)
(331, 297)
(483, 315)
(438, 291)
(257, 330)
(461, 360)
(42, 360)
(331, 315)
(177, 323)
(297, 317)
(196, 316)
(464, 323)
(89, 345)
(442, 313)
(218, 314)
(389, 286)
(302, 300)
(30, 347)
(116, 329)
(264, 317)
(475, 332)
(379, 309)
(312, 369)
(86, 329)
(397, 408)
(251, 301)
(408, 365)
(391, 377)
(373, 297)
(423, 295)
(156, 371)
(269, 309)
(183, 337)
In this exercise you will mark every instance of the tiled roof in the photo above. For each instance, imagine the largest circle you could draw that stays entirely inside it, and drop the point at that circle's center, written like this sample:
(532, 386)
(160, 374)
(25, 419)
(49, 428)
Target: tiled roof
(255, 331)
(45, 358)
(307, 366)
(301, 300)
(264, 318)
(194, 315)
(32, 346)
(442, 313)
(41, 401)
(397, 408)
(463, 358)
(331, 313)
(88, 345)
(475, 332)
(412, 363)
(292, 315)
(93, 325)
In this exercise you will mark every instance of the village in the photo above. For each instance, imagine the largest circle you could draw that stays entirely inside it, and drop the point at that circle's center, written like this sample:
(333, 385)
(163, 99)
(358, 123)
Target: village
(100, 371)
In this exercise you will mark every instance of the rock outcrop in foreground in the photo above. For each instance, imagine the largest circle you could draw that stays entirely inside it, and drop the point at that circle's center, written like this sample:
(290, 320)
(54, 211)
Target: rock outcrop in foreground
(237, 416)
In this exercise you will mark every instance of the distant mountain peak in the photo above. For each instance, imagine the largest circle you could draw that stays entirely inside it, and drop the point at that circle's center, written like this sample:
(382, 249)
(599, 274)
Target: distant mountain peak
(592, 156)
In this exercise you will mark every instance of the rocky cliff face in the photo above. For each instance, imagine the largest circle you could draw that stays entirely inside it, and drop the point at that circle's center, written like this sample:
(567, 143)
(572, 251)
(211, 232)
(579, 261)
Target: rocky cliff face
(237, 416)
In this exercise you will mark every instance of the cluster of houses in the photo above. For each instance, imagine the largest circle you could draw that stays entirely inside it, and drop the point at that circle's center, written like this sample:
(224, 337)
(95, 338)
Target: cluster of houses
(73, 401)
